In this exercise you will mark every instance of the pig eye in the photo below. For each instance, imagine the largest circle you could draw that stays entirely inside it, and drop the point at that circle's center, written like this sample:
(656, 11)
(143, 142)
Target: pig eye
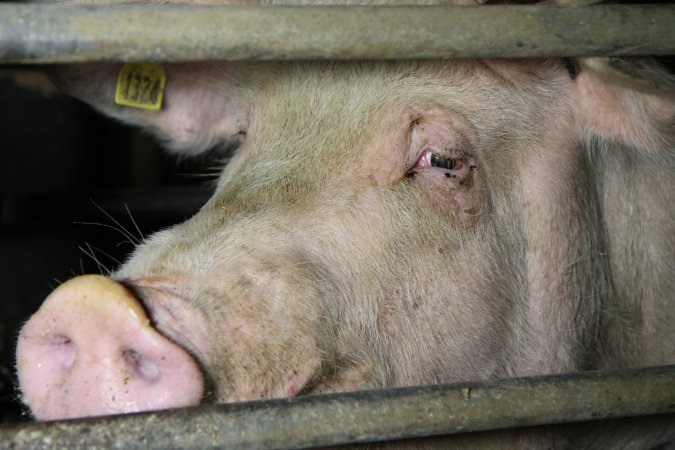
(443, 163)
(431, 159)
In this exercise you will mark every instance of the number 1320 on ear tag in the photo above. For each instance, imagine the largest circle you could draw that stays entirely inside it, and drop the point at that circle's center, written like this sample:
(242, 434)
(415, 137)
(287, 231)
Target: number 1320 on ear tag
(141, 85)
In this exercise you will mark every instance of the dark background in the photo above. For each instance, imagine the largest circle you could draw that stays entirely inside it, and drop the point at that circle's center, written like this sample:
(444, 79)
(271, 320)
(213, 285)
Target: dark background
(62, 163)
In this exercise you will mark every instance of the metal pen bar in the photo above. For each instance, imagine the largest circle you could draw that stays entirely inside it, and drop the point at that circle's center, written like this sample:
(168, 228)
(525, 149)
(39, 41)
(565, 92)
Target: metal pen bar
(58, 33)
(367, 416)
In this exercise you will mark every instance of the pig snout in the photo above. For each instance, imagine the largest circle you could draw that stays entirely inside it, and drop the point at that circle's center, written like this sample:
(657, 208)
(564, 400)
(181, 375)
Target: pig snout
(90, 350)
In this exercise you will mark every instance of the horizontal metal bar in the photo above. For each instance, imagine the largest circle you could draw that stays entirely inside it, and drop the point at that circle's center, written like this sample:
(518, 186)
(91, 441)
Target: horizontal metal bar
(58, 33)
(367, 416)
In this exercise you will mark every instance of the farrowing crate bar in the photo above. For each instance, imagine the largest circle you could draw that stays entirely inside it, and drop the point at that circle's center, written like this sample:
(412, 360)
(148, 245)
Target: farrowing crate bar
(53, 33)
(313, 421)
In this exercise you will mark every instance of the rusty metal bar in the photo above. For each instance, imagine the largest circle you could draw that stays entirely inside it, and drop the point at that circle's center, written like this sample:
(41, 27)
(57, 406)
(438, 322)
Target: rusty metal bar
(314, 421)
(62, 33)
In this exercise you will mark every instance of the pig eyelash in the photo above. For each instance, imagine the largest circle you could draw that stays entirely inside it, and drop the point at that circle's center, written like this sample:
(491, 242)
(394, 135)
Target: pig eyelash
(444, 163)
(432, 159)
(458, 166)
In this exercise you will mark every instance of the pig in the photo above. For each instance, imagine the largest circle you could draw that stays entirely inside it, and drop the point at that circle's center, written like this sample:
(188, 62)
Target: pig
(383, 224)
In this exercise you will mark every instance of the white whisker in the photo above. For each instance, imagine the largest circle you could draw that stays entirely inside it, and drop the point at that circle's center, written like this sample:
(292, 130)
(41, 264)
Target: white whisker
(115, 260)
(92, 255)
(124, 231)
(140, 233)
(130, 239)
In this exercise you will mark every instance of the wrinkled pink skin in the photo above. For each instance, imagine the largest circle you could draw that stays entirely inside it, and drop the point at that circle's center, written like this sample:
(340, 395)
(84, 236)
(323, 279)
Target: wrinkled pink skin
(334, 256)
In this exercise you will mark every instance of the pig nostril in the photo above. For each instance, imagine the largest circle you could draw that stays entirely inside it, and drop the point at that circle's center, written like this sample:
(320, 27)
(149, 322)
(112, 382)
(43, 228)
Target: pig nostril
(64, 350)
(141, 366)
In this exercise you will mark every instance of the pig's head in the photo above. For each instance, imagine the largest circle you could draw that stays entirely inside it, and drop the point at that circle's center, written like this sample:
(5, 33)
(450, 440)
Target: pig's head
(381, 224)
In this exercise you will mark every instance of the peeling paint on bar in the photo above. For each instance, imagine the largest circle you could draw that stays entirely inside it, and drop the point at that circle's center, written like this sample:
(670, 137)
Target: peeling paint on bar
(58, 33)
(368, 416)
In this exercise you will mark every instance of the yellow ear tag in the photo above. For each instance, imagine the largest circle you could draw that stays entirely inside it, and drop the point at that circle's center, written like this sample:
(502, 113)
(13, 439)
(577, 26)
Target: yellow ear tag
(141, 85)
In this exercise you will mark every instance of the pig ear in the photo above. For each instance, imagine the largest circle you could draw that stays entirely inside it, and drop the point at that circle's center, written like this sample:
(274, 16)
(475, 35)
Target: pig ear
(203, 105)
(628, 101)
